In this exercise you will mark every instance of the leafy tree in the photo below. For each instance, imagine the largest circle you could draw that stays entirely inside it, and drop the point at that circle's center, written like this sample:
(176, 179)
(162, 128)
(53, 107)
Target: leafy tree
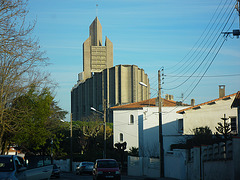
(36, 116)
(20, 62)
(88, 139)
(202, 135)
(133, 151)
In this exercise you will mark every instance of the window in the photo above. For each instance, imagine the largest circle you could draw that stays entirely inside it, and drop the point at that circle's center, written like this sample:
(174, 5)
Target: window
(180, 125)
(121, 137)
(233, 124)
(131, 121)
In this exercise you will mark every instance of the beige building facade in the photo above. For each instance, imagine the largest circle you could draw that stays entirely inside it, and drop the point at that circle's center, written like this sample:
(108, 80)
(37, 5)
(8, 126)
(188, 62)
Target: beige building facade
(117, 85)
(210, 114)
(101, 82)
(96, 57)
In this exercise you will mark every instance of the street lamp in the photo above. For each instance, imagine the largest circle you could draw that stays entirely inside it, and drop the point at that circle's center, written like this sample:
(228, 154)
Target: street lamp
(105, 134)
(71, 143)
(161, 150)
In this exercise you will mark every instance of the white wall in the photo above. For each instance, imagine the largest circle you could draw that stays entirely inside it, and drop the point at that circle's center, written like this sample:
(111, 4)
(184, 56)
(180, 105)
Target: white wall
(144, 133)
(208, 115)
(121, 119)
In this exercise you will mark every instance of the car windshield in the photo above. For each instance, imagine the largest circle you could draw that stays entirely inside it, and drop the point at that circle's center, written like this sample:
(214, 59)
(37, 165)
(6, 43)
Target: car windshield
(107, 164)
(87, 164)
(6, 164)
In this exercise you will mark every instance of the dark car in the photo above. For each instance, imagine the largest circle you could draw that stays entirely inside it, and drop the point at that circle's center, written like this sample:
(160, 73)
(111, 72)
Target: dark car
(106, 169)
(85, 167)
(56, 171)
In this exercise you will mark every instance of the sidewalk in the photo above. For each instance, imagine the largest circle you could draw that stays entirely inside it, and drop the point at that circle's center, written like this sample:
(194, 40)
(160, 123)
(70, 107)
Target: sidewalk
(147, 178)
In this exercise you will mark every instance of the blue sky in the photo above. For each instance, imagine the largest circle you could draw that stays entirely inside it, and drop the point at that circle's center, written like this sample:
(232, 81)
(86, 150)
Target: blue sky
(149, 34)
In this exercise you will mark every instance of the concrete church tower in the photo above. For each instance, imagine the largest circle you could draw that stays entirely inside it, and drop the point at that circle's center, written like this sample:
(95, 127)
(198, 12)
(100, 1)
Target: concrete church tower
(96, 57)
(101, 83)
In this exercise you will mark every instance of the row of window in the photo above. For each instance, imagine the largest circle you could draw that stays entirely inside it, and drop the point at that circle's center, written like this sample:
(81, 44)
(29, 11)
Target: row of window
(233, 121)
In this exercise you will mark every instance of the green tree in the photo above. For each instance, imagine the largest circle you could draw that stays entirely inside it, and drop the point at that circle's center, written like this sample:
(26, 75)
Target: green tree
(133, 151)
(38, 119)
(202, 135)
(20, 62)
(224, 129)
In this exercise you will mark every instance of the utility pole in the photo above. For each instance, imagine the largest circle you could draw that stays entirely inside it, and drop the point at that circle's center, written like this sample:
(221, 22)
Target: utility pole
(238, 9)
(105, 133)
(161, 150)
(71, 153)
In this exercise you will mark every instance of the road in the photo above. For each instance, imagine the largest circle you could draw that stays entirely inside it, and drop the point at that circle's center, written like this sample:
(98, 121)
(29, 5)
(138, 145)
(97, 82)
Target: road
(71, 176)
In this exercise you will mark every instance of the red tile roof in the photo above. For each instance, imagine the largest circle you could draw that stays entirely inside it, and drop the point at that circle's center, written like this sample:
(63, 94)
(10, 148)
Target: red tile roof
(192, 107)
(236, 102)
(147, 103)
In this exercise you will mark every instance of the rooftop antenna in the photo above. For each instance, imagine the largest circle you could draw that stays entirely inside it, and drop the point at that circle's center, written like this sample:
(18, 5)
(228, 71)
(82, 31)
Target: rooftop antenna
(235, 32)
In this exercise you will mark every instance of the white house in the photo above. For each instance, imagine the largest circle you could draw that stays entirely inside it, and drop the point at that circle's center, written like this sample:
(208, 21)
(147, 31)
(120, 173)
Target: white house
(138, 125)
(210, 113)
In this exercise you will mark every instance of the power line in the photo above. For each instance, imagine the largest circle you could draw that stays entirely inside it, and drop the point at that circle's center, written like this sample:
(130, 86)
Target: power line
(213, 76)
(210, 22)
(204, 57)
(209, 42)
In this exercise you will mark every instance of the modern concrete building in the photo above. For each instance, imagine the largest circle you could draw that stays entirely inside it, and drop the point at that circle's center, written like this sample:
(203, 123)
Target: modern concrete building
(100, 81)
(96, 57)
(117, 85)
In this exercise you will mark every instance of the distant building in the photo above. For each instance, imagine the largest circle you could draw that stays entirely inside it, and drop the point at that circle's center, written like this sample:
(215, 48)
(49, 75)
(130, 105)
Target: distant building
(96, 57)
(101, 81)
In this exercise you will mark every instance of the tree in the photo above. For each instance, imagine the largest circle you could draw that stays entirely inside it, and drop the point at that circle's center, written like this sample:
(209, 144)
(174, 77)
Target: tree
(133, 151)
(224, 129)
(202, 135)
(38, 119)
(20, 61)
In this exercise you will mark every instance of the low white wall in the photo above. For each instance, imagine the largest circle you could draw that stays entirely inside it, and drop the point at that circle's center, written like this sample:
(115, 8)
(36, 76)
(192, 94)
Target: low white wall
(135, 166)
(143, 166)
(175, 164)
(218, 170)
(65, 165)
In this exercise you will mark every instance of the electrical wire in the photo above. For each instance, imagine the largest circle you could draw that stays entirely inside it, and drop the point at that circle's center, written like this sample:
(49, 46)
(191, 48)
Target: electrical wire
(204, 57)
(209, 40)
(193, 47)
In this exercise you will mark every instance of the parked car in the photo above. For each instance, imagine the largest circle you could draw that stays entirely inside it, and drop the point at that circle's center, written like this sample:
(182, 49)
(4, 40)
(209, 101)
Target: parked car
(14, 167)
(56, 171)
(106, 169)
(85, 167)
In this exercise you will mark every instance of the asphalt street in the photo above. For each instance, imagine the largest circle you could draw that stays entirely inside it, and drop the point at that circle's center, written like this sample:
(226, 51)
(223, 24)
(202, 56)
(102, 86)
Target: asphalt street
(72, 176)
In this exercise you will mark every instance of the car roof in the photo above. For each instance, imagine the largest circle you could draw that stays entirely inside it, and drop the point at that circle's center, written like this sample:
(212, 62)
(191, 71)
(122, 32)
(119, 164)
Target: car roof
(105, 160)
(9, 156)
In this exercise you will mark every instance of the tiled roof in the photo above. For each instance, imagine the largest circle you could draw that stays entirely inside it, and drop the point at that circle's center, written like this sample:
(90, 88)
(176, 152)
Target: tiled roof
(146, 103)
(208, 102)
(236, 102)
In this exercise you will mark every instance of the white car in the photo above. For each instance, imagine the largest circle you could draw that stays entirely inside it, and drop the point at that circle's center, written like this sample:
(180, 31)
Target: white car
(13, 167)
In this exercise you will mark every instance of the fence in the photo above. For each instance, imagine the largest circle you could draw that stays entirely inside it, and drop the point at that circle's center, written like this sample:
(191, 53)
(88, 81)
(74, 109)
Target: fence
(65, 165)
(143, 166)
(217, 161)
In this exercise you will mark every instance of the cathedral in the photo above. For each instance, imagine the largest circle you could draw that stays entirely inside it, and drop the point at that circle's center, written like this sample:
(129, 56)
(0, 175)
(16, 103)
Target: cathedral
(102, 82)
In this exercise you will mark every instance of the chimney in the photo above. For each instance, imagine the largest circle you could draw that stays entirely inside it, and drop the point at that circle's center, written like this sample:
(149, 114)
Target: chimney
(192, 102)
(221, 91)
(168, 97)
